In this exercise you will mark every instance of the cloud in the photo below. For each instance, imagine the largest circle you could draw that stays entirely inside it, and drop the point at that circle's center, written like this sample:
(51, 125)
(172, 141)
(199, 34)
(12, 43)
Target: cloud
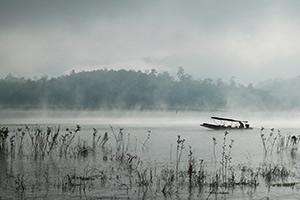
(252, 40)
(272, 40)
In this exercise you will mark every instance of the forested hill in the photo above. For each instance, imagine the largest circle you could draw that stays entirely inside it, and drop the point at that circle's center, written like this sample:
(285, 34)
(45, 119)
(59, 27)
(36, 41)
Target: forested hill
(122, 89)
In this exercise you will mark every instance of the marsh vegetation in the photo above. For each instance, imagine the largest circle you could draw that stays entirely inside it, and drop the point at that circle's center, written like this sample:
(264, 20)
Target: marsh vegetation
(58, 162)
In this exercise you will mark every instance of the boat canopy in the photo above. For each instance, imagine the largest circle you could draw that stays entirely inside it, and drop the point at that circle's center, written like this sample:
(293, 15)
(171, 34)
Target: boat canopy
(227, 119)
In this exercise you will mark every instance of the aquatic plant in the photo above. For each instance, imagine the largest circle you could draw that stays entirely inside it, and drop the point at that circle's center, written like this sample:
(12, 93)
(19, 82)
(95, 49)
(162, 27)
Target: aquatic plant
(225, 179)
(286, 147)
(144, 147)
(168, 178)
(249, 176)
(191, 167)
(104, 150)
(3, 140)
(272, 173)
(180, 147)
(214, 152)
(12, 145)
(122, 169)
(82, 149)
(95, 139)
(20, 137)
(119, 139)
(66, 140)
(53, 140)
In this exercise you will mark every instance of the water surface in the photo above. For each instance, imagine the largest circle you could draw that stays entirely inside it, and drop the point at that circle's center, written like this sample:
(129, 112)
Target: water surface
(150, 135)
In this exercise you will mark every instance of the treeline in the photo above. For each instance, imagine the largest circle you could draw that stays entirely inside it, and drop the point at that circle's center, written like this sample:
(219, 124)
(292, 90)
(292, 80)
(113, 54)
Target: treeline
(123, 89)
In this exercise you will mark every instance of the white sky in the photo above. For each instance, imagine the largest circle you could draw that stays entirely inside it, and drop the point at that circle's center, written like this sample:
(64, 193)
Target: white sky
(251, 40)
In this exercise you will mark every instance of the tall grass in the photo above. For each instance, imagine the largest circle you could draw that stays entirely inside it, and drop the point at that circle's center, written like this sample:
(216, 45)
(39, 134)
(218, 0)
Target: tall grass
(3, 140)
(279, 147)
(123, 171)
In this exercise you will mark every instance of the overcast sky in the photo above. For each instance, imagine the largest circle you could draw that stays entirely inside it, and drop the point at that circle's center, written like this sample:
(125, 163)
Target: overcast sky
(251, 40)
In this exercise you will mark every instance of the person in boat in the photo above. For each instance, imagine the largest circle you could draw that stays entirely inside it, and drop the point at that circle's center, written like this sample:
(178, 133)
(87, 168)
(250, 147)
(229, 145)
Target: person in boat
(241, 125)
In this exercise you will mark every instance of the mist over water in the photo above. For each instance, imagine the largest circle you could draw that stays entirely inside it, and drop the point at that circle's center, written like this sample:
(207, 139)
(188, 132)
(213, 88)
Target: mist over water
(164, 127)
(278, 120)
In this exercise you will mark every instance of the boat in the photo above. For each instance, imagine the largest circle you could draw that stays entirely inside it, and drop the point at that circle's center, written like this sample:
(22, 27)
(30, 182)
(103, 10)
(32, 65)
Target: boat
(227, 123)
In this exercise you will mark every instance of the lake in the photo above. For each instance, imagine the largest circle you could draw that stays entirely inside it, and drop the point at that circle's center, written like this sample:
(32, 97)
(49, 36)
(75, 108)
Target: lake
(142, 153)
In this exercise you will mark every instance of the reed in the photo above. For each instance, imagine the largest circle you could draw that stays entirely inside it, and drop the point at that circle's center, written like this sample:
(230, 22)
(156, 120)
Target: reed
(42, 142)
(285, 148)
(3, 140)
(144, 146)
(67, 139)
(180, 147)
(21, 135)
(82, 149)
(96, 139)
(124, 171)
(191, 168)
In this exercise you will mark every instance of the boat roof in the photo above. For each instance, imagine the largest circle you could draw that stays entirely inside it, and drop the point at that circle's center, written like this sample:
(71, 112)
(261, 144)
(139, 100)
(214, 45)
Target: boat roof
(228, 119)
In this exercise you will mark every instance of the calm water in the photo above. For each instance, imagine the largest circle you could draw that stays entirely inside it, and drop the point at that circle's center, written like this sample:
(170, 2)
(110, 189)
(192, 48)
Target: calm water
(150, 135)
